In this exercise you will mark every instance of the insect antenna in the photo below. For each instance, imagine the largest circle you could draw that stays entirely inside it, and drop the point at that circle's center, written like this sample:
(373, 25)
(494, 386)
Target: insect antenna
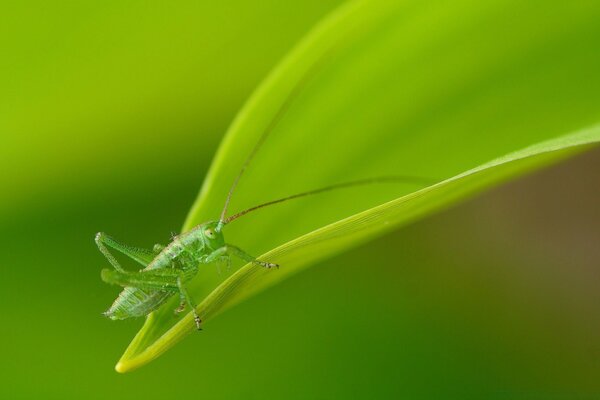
(257, 147)
(359, 182)
(284, 107)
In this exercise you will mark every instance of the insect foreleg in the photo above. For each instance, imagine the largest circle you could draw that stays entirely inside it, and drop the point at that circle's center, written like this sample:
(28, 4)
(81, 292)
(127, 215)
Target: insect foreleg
(145, 280)
(236, 251)
(188, 299)
(142, 256)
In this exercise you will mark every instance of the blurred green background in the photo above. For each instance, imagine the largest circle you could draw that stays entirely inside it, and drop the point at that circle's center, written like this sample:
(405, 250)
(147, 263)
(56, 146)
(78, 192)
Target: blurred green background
(110, 113)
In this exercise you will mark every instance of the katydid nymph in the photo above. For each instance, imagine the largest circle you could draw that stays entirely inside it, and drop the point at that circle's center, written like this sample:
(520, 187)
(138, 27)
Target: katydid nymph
(168, 269)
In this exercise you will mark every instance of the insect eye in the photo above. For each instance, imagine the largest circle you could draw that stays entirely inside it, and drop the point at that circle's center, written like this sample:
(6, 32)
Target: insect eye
(209, 233)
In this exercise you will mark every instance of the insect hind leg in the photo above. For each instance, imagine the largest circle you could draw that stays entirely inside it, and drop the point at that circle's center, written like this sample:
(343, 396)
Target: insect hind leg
(145, 280)
(140, 255)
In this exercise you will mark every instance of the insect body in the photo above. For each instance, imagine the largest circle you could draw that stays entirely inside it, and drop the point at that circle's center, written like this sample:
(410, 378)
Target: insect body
(167, 269)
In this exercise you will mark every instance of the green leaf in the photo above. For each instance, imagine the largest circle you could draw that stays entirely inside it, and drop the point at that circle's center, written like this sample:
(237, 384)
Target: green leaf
(381, 88)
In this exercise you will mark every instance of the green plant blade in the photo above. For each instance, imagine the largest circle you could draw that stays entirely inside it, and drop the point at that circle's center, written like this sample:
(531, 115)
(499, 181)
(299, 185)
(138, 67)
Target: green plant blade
(382, 88)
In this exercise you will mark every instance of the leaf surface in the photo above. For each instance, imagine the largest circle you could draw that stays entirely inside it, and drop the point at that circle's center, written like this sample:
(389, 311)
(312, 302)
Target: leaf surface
(390, 88)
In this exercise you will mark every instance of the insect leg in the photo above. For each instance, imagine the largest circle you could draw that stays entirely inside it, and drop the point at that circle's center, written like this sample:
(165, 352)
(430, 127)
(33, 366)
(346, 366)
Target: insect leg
(236, 251)
(140, 255)
(147, 280)
(182, 304)
(184, 293)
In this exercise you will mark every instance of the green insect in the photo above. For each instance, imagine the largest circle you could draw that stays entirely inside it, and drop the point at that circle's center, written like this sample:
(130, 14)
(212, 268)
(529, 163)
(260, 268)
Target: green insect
(168, 269)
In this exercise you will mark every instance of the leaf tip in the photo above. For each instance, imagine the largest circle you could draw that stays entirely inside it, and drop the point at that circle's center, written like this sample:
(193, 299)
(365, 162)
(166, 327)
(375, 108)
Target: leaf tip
(121, 367)
(124, 366)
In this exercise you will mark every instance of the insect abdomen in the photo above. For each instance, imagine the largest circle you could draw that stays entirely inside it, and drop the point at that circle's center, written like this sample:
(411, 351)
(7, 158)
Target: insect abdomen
(133, 302)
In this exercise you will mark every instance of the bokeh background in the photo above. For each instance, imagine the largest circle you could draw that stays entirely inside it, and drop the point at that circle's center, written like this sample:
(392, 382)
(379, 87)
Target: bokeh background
(110, 113)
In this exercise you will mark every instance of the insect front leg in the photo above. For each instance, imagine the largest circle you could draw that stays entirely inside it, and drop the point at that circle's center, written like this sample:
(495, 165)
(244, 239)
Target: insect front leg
(223, 260)
(188, 299)
(236, 251)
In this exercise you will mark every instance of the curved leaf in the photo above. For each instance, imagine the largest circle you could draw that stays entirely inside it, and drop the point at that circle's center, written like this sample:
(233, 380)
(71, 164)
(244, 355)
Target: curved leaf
(382, 88)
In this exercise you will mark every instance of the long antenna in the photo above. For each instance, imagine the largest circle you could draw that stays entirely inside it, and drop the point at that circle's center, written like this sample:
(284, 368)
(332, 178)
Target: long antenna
(284, 107)
(360, 182)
